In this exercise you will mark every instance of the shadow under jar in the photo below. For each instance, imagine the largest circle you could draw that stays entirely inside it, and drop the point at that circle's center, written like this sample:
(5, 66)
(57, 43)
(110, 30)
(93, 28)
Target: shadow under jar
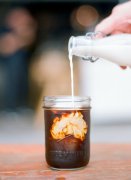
(67, 131)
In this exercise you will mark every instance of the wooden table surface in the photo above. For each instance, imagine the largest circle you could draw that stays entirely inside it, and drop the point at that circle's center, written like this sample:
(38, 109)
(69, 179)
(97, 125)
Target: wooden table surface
(108, 161)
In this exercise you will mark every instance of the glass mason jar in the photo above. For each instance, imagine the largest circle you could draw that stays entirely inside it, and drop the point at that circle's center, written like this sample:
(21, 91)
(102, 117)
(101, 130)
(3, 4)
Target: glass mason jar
(67, 131)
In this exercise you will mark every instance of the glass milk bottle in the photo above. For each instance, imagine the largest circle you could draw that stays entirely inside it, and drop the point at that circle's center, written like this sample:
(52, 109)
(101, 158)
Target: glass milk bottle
(114, 48)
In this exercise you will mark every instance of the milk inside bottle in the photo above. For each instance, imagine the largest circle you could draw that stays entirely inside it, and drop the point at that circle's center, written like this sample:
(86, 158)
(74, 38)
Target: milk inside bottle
(114, 48)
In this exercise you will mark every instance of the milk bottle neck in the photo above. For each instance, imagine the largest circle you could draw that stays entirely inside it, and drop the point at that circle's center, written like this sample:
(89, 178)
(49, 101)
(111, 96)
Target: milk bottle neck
(78, 46)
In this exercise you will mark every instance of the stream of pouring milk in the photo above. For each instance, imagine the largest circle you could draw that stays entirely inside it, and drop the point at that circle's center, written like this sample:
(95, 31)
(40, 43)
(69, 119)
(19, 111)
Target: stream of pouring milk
(72, 77)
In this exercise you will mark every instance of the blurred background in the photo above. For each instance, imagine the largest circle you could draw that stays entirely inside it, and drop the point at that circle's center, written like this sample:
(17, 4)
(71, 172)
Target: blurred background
(34, 63)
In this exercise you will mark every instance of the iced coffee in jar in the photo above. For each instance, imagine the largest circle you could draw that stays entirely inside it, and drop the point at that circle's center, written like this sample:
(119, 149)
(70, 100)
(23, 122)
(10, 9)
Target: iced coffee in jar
(67, 131)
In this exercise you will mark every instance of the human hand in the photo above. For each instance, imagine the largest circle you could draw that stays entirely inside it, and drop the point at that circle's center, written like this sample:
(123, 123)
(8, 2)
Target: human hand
(118, 22)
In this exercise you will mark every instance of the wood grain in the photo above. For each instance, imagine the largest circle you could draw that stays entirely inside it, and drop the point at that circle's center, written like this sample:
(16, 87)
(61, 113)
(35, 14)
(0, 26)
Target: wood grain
(108, 161)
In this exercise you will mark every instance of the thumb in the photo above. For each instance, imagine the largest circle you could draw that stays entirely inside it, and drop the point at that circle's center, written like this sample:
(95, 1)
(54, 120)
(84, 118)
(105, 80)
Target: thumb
(106, 26)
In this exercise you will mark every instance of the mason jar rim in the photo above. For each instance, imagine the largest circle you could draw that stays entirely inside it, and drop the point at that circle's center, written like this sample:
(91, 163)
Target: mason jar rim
(66, 98)
(66, 102)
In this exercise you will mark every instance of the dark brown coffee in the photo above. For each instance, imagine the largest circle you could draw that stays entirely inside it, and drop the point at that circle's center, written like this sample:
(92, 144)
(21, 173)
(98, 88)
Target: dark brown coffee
(67, 138)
